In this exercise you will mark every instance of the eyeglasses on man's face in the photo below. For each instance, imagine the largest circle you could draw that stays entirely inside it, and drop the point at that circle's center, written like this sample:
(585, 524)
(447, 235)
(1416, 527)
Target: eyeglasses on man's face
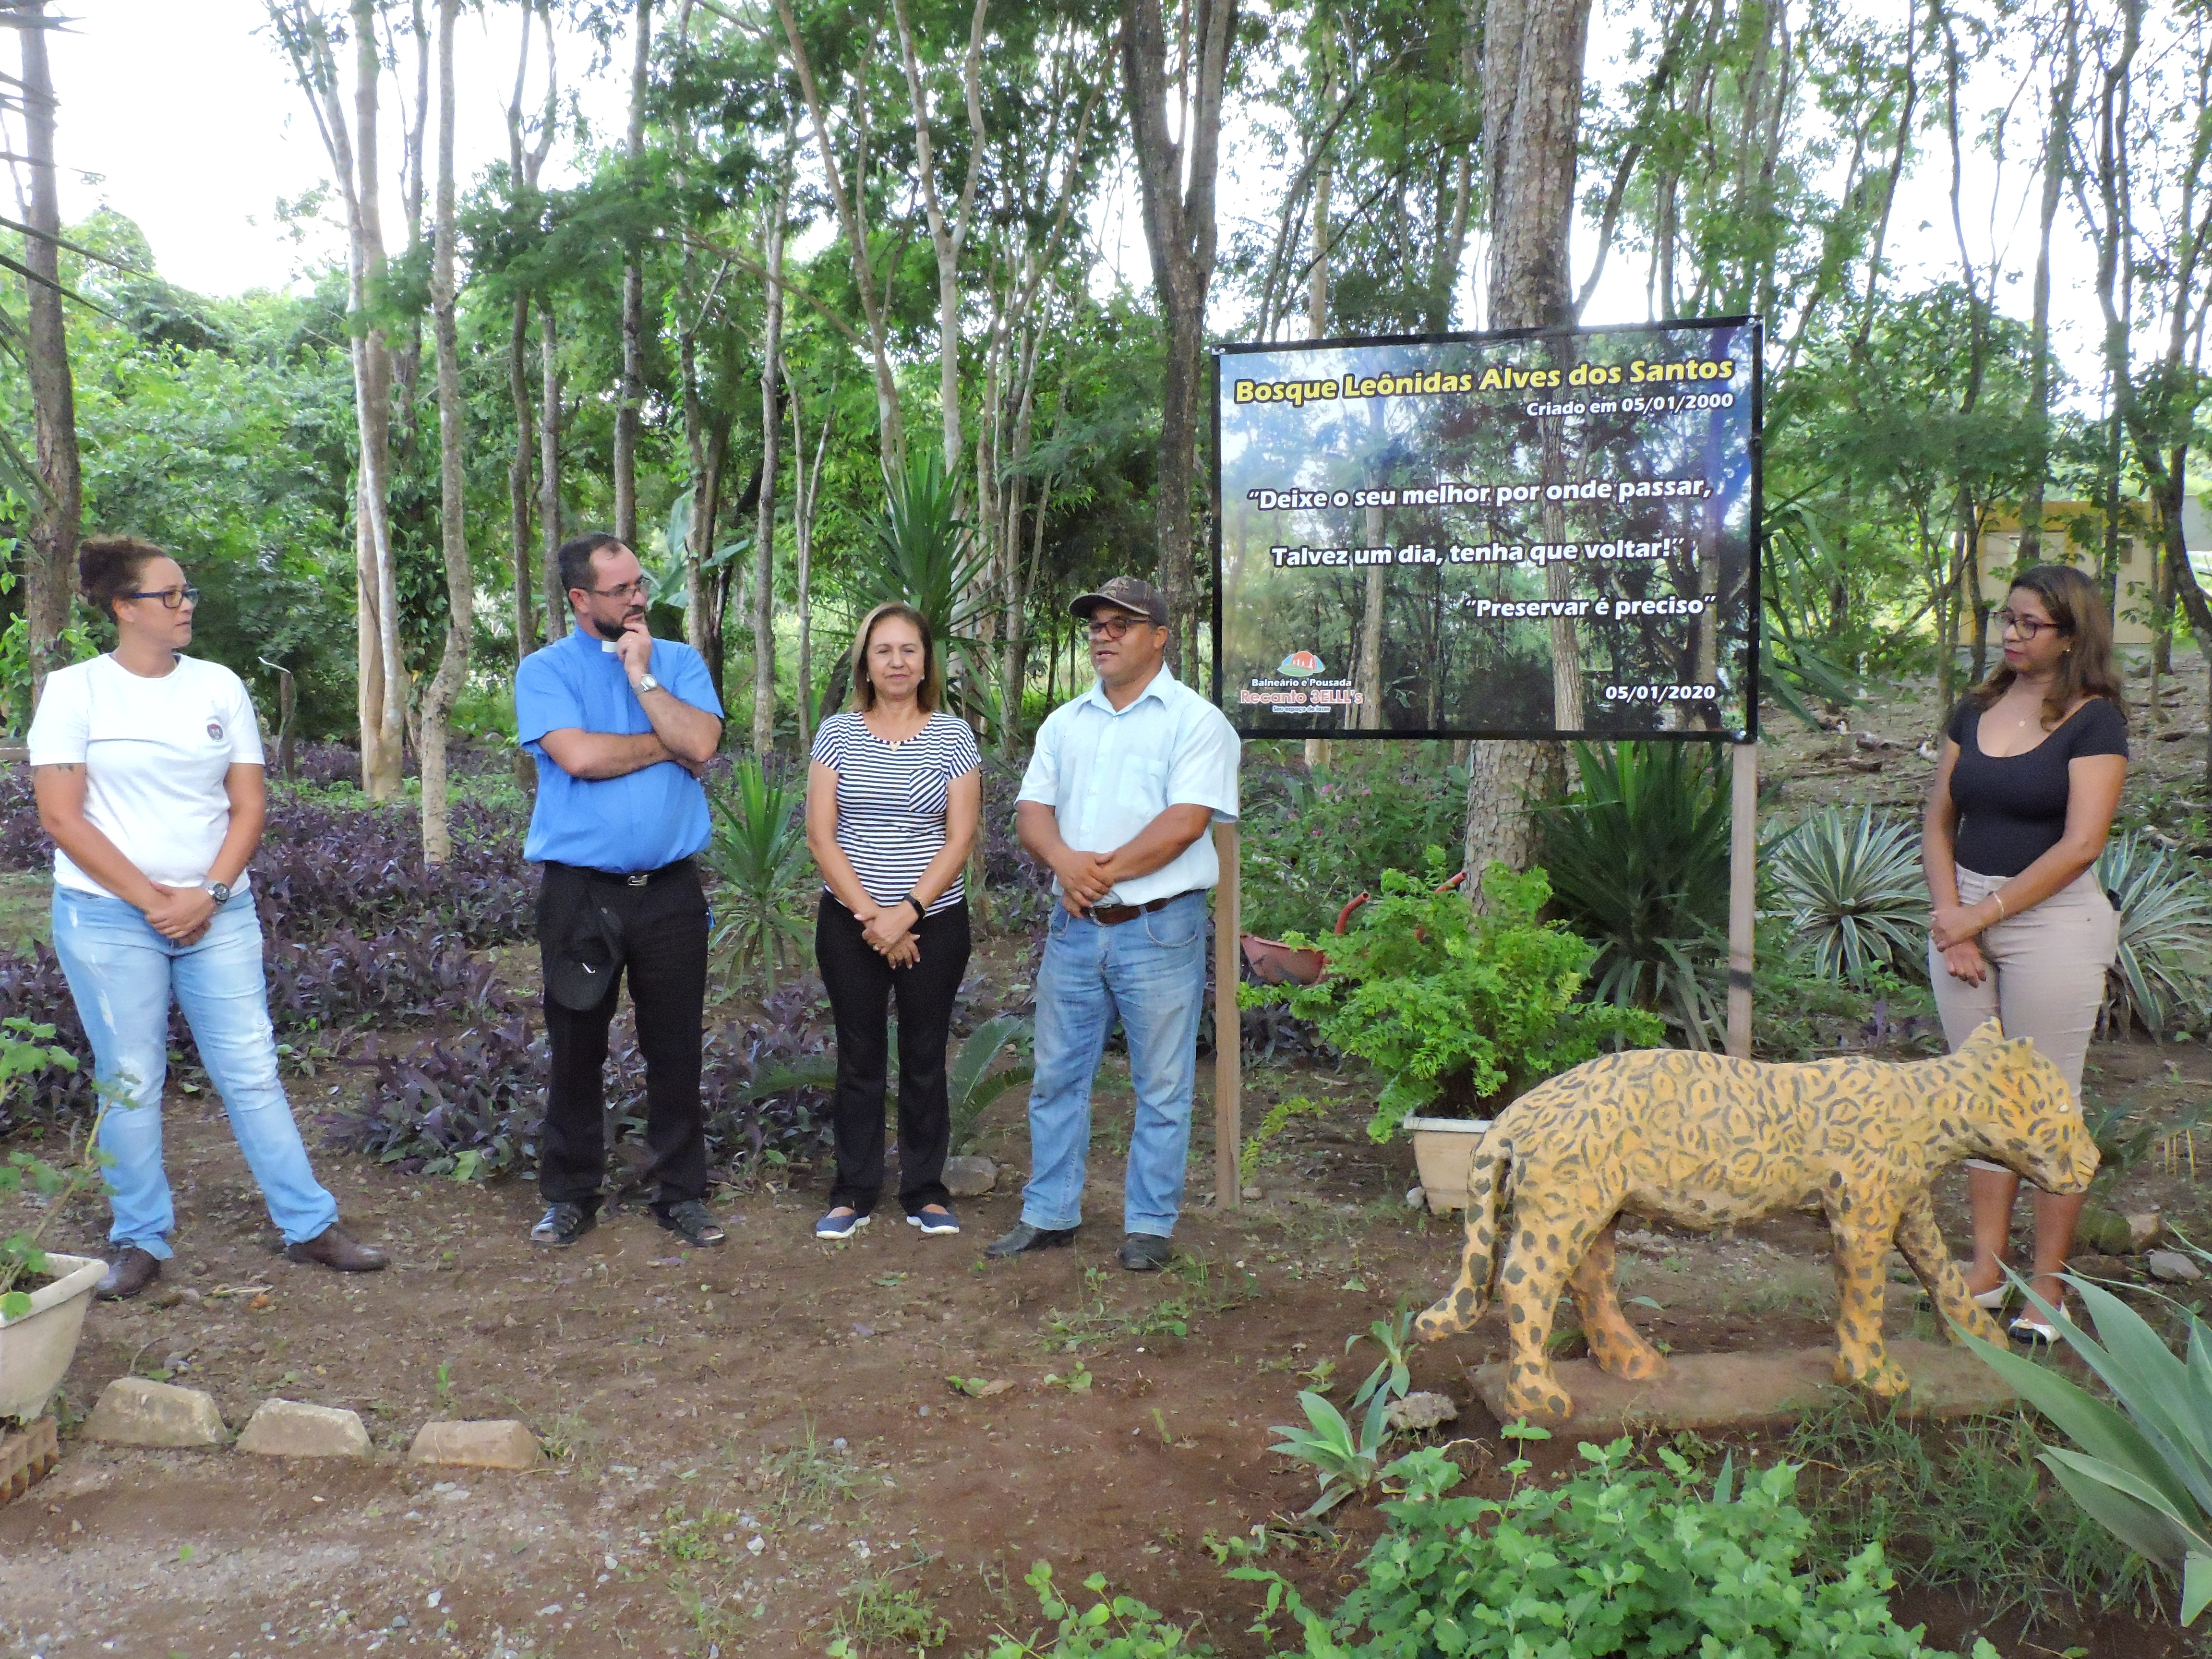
(2011, 621)
(1113, 627)
(640, 589)
(172, 599)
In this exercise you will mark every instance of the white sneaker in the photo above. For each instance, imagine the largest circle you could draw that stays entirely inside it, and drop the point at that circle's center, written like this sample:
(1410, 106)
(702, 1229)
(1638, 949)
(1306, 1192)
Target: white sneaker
(935, 1220)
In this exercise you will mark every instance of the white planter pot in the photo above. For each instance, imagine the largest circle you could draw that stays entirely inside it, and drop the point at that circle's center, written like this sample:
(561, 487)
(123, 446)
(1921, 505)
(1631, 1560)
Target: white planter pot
(35, 1350)
(1443, 1152)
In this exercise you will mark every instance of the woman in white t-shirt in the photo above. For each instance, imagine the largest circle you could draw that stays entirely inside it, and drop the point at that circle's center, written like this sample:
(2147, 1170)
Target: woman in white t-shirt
(147, 767)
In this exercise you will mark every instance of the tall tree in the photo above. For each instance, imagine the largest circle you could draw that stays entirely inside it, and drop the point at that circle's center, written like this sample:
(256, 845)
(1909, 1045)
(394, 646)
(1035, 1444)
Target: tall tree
(1176, 164)
(453, 473)
(2066, 74)
(526, 161)
(352, 146)
(630, 400)
(764, 526)
(56, 519)
(1532, 118)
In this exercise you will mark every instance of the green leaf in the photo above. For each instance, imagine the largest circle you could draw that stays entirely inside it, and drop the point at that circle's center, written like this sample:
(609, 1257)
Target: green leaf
(14, 1304)
(2195, 1586)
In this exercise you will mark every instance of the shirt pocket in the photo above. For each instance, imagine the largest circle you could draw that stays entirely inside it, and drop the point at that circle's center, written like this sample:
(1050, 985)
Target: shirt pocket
(1144, 785)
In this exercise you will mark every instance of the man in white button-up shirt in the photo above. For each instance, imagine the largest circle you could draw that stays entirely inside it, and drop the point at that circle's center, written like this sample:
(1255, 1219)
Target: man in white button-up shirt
(1124, 784)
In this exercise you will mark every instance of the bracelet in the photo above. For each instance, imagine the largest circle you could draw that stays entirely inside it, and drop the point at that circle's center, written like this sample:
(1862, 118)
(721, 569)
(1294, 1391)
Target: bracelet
(1997, 899)
(921, 910)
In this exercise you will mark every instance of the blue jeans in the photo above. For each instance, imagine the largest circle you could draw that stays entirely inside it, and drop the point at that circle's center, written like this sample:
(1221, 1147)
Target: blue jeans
(1150, 970)
(121, 975)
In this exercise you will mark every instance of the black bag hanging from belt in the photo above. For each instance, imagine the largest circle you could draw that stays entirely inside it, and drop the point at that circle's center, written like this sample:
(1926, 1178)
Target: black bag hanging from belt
(582, 966)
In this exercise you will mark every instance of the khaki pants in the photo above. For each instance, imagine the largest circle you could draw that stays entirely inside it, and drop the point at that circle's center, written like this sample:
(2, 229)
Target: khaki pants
(2047, 978)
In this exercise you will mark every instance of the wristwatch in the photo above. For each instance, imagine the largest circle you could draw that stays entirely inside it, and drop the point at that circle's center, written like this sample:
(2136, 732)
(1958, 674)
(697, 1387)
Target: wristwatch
(220, 892)
(647, 683)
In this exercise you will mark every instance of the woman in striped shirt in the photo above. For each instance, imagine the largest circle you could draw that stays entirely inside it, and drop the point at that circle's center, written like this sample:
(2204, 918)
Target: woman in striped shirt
(894, 796)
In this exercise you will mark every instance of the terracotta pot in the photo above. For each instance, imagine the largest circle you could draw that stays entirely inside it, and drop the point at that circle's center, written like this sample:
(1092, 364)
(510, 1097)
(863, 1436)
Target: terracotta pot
(1443, 1152)
(1273, 963)
(35, 1350)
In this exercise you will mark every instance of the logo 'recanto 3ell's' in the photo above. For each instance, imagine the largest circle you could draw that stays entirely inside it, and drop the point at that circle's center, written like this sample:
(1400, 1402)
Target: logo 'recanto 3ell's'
(1301, 665)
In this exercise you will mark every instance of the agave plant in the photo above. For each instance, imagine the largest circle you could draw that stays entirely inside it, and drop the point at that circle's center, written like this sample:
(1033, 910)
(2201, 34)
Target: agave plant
(1851, 882)
(2166, 934)
(757, 856)
(923, 553)
(1639, 858)
(970, 1084)
(2143, 1471)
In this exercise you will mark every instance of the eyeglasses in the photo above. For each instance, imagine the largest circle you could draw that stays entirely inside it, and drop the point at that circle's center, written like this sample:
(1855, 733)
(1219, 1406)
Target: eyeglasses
(2026, 627)
(641, 588)
(1113, 627)
(172, 599)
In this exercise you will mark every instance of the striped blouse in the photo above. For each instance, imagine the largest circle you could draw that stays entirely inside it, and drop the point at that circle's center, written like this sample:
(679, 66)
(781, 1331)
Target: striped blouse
(891, 799)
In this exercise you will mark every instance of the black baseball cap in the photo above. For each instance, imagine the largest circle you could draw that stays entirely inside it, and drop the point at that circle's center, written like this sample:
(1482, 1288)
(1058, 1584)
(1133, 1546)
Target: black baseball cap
(1131, 593)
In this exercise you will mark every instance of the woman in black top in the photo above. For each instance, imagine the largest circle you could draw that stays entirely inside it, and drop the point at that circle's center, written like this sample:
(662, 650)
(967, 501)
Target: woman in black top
(2023, 800)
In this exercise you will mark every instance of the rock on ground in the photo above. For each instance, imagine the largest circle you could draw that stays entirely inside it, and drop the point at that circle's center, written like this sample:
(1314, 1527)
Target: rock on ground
(1418, 1411)
(286, 1428)
(136, 1410)
(501, 1443)
(2172, 1266)
(969, 1177)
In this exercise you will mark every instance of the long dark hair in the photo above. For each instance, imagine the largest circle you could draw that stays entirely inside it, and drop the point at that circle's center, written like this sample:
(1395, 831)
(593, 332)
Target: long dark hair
(2086, 669)
(930, 694)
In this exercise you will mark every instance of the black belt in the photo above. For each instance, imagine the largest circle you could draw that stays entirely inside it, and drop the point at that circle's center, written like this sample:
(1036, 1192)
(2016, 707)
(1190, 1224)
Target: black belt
(1113, 915)
(624, 878)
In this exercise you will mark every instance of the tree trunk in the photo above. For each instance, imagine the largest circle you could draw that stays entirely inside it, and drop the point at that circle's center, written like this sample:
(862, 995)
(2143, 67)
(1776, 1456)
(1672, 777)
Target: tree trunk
(764, 530)
(806, 480)
(57, 519)
(452, 473)
(1532, 87)
(549, 477)
(2030, 549)
(630, 400)
(1177, 172)
(518, 480)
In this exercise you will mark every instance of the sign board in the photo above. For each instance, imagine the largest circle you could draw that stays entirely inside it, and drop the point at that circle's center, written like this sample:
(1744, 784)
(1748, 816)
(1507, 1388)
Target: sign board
(1517, 535)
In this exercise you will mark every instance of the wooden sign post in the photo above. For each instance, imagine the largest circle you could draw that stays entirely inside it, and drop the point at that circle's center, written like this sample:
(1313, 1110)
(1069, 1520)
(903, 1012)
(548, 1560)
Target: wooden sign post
(1228, 1023)
(1743, 892)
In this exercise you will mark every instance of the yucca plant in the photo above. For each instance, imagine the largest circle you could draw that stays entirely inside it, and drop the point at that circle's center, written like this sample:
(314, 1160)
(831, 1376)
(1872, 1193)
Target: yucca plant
(2166, 934)
(1639, 860)
(923, 553)
(970, 1084)
(2143, 1471)
(1851, 882)
(1345, 1463)
(757, 856)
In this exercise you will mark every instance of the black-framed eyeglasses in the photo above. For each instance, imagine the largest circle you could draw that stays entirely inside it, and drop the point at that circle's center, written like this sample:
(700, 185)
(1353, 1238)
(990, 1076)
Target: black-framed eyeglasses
(1113, 627)
(172, 599)
(2026, 627)
(641, 588)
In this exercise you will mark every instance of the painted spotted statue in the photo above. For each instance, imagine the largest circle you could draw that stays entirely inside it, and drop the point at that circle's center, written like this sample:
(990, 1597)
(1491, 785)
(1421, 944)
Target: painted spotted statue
(1703, 1141)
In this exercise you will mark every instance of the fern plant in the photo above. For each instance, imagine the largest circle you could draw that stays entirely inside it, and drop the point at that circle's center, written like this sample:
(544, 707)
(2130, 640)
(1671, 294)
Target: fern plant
(757, 856)
(2166, 934)
(1851, 883)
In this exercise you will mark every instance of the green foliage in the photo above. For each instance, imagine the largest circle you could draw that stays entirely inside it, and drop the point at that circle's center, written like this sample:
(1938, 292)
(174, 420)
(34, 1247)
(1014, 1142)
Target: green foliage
(1118, 1627)
(28, 1049)
(1347, 1462)
(1277, 1119)
(1613, 1560)
(75, 645)
(924, 554)
(970, 1084)
(1851, 882)
(2143, 1469)
(757, 857)
(2165, 935)
(1639, 860)
(1313, 841)
(1395, 1375)
(1453, 1010)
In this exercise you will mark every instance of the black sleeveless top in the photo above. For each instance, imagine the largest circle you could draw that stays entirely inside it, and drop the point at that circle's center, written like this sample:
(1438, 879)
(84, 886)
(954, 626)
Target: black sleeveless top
(2012, 808)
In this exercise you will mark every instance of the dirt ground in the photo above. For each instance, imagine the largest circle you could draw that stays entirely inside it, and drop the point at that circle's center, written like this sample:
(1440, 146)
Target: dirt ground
(757, 1448)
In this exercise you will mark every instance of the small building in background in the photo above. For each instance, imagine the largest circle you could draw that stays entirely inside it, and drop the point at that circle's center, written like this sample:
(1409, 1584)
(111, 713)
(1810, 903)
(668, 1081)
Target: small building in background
(2138, 553)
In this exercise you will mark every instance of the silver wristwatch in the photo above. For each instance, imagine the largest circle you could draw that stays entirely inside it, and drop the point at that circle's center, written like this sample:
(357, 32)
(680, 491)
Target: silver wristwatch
(647, 683)
(220, 892)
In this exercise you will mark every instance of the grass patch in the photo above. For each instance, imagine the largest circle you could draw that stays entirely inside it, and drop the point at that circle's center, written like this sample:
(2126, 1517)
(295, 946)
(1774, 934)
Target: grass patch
(875, 1616)
(1963, 1507)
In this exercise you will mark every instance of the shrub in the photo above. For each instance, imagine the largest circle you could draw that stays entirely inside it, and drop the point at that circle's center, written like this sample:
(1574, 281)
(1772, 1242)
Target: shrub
(1851, 883)
(1119, 1627)
(1638, 860)
(2166, 934)
(1613, 1560)
(1457, 1010)
(759, 862)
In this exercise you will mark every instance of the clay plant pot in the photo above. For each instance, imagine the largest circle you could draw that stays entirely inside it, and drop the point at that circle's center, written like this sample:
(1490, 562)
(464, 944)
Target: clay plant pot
(1273, 963)
(1443, 1152)
(35, 1350)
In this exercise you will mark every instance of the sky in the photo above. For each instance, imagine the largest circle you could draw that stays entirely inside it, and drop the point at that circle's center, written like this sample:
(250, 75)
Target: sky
(203, 177)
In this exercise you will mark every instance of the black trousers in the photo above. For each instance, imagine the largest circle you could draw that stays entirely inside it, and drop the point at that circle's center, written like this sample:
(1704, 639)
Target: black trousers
(862, 984)
(663, 936)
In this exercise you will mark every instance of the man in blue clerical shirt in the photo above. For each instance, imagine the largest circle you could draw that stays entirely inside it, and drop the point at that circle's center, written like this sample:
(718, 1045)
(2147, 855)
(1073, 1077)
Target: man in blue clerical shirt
(1120, 790)
(621, 725)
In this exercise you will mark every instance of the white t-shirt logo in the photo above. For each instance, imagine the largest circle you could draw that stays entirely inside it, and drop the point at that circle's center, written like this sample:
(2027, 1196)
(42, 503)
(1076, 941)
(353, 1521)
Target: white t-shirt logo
(215, 730)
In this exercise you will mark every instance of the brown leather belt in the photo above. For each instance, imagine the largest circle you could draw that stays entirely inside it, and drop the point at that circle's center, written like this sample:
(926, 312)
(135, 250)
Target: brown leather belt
(1113, 915)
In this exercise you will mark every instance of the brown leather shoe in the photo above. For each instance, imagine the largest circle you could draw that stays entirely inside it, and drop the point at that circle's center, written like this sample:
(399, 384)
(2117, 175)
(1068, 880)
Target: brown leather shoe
(332, 1248)
(132, 1271)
